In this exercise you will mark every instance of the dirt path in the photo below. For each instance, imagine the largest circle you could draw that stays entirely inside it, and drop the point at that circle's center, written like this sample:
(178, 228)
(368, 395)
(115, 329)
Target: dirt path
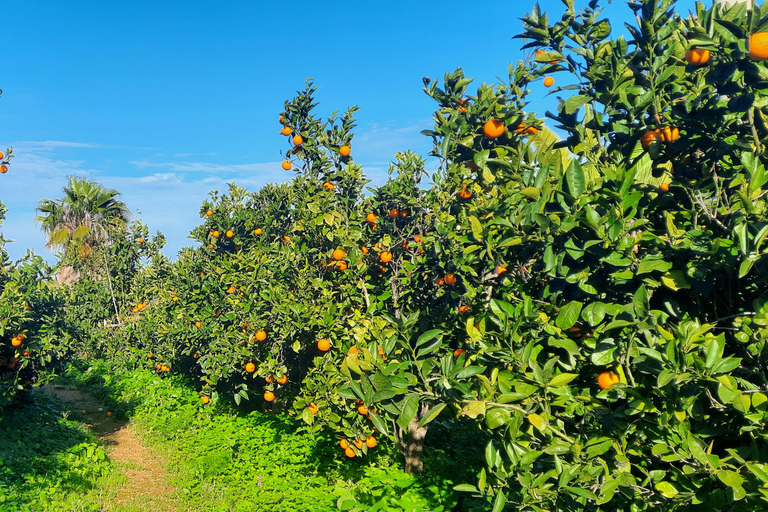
(146, 486)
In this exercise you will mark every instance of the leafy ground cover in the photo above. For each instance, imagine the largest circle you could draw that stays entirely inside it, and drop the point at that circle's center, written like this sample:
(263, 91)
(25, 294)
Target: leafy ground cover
(225, 459)
(50, 462)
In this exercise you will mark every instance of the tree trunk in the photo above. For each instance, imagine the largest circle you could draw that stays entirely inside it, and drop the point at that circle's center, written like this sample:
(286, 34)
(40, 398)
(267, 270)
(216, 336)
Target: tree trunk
(411, 443)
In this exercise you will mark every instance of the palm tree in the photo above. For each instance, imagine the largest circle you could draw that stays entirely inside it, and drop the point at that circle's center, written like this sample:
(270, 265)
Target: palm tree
(81, 221)
(83, 218)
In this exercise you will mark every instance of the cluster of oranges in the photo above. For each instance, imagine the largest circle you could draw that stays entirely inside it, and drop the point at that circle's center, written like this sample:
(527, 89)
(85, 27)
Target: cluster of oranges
(3, 166)
(139, 307)
(370, 442)
(162, 368)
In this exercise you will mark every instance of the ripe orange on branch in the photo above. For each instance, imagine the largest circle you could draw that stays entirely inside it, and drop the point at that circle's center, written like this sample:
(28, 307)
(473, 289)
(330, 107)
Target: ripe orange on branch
(549, 81)
(298, 140)
(260, 335)
(287, 165)
(371, 217)
(494, 129)
(758, 46)
(345, 150)
(324, 344)
(286, 130)
(269, 396)
(607, 379)
(250, 367)
(697, 56)
(338, 254)
(385, 257)
(328, 185)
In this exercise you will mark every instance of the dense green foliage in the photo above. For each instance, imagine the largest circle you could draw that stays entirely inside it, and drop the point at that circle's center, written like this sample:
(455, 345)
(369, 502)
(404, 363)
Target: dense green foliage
(497, 295)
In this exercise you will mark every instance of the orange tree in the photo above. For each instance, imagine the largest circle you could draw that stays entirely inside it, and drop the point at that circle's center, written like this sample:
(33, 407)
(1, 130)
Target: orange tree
(596, 305)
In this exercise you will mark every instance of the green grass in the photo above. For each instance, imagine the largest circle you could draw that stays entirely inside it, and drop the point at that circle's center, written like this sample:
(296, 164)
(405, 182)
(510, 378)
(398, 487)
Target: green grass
(219, 458)
(48, 462)
(225, 460)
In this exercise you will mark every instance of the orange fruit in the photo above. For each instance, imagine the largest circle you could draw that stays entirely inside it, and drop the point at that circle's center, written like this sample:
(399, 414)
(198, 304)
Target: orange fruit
(450, 279)
(338, 254)
(26, 353)
(758, 46)
(464, 309)
(3, 169)
(16, 341)
(381, 352)
(250, 367)
(109, 413)
(328, 185)
(215, 234)
(209, 213)
(354, 350)
(385, 257)
(669, 134)
(349, 452)
(343, 443)
(286, 239)
(1, 155)
(298, 140)
(403, 213)
(418, 239)
(607, 379)
(649, 138)
(312, 408)
(697, 56)
(257, 231)
(494, 129)
(205, 399)
(324, 344)
(342, 265)
(198, 324)
(260, 335)
(458, 352)
(287, 165)
(465, 194)
(664, 186)
(393, 212)
(440, 281)
(141, 240)
(345, 150)
(85, 412)
(362, 409)
(500, 269)
(371, 442)
(371, 217)
(286, 130)
(282, 379)
(269, 396)
(530, 130)
(549, 81)
(230, 233)
(270, 379)
(364, 249)
(359, 444)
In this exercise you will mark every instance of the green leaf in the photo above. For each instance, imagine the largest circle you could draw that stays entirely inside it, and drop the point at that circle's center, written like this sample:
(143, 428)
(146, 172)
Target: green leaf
(409, 410)
(465, 488)
(532, 192)
(569, 315)
(433, 413)
(537, 421)
(667, 489)
(562, 379)
(425, 337)
(675, 280)
(651, 265)
(730, 478)
(574, 175)
(497, 416)
(499, 502)
(640, 302)
(574, 103)
(474, 409)
(477, 228)
(594, 313)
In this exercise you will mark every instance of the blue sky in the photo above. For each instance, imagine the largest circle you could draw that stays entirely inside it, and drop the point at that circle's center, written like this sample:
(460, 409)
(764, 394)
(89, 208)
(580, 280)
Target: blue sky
(165, 101)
